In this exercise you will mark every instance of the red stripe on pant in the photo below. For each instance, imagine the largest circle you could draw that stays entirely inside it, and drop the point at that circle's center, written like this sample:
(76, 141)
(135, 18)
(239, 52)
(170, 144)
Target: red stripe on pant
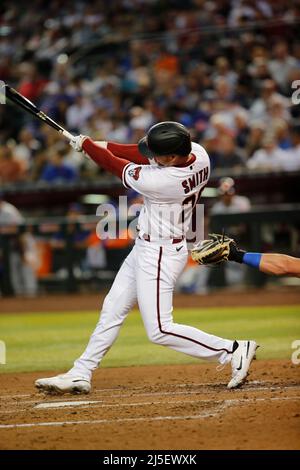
(158, 313)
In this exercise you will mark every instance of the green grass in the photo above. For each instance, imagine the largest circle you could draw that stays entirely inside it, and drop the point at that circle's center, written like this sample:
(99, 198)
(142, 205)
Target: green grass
(51, 341)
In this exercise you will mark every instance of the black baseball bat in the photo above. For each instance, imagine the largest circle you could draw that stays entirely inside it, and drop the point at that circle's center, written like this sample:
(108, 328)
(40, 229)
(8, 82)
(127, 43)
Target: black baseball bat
(20, 100)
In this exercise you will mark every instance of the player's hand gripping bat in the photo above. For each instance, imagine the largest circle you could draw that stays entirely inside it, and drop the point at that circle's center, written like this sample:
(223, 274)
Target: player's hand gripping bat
(20, 100)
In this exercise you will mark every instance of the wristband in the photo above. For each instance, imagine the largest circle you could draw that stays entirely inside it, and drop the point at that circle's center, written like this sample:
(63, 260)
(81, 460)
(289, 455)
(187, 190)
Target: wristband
(252, 259)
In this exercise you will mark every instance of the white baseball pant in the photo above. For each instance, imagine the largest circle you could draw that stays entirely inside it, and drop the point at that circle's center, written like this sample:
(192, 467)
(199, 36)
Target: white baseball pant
(148, 276)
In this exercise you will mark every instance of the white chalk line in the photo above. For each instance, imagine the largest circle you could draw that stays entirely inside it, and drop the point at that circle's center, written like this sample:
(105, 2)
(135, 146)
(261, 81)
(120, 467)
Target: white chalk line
(177, 402)
(106, 421)
(150, 394)
(220, 405)
(120, 405)
(63, 404)
(101, 404)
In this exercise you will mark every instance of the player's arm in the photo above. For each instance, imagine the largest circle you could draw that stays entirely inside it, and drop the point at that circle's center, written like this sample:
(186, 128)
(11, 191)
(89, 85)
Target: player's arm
(100, 155)
(272, 263)
(269, 263)
(130, 150)
(141, 178)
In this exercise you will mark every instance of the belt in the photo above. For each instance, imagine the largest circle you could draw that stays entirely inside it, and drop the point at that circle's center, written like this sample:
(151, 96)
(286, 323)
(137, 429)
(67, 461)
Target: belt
(170, 240)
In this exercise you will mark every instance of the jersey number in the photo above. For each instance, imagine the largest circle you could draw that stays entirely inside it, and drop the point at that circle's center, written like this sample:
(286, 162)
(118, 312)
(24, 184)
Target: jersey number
(191, 201)
(185, 213)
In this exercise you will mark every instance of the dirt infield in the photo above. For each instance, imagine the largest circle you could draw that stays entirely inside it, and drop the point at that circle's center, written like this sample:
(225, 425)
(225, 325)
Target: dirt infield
(157, 407)
(165, 407)
(250, 297)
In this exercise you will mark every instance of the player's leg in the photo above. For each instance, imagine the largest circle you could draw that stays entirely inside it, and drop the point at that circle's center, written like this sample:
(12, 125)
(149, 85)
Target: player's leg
(116, 307)
(157, 271)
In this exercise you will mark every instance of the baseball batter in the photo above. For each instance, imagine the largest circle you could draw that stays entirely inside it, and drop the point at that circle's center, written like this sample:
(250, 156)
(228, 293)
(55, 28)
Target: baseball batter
(170, 187)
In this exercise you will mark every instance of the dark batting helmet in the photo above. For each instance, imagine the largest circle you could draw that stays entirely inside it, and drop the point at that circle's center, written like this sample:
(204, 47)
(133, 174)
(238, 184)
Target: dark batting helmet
(166, 138)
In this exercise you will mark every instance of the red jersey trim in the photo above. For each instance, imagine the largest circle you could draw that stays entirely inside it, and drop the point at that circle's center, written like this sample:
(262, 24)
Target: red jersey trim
(184, 165)
(124, 176)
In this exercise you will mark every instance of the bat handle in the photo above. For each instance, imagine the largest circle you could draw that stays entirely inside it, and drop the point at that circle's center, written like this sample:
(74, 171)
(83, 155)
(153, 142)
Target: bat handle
(67, 134)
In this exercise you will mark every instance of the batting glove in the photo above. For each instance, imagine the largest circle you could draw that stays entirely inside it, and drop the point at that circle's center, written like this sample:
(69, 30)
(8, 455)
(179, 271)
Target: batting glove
(77, 142)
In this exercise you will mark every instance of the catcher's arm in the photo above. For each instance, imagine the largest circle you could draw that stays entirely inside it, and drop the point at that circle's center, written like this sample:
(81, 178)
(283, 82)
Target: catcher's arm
(278, 264)
(269, 263)
(220, 248)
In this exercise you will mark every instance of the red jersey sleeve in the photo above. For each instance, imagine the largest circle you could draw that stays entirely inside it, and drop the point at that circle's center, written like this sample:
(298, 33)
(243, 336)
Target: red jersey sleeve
(130, 150)
(104, 157)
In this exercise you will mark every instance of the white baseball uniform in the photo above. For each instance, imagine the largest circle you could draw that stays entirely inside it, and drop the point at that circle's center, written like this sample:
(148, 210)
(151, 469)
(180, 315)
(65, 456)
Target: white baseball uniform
(149, 273)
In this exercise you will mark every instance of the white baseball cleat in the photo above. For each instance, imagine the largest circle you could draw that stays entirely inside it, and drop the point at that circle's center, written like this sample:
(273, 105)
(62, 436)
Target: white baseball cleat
(240, 362)
(64, 383)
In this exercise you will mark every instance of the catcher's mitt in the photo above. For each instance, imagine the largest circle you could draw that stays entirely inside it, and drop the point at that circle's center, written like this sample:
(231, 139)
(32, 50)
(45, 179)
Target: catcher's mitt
(214, 250)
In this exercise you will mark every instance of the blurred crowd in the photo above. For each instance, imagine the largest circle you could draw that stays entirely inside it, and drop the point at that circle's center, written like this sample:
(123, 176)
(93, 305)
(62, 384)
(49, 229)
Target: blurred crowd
(227, 69)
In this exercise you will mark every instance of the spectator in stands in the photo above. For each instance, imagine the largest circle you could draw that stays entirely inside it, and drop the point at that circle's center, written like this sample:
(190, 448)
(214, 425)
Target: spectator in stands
(281, 65)
(150, 71)
(278, 108)
(222, 69)
(78, 114)
(23, 265)
(9, 214)
(56, 171)
(26, 148)
(38, 165)
(269, 157)
(228, 154)
(282, 133)
(32, 84)
(246, 10)
(259, 107)
(255, 137)
(20, 275)
(11, 170)
(73, 233)
(229, 201)
(290, 160)
(80, 233)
